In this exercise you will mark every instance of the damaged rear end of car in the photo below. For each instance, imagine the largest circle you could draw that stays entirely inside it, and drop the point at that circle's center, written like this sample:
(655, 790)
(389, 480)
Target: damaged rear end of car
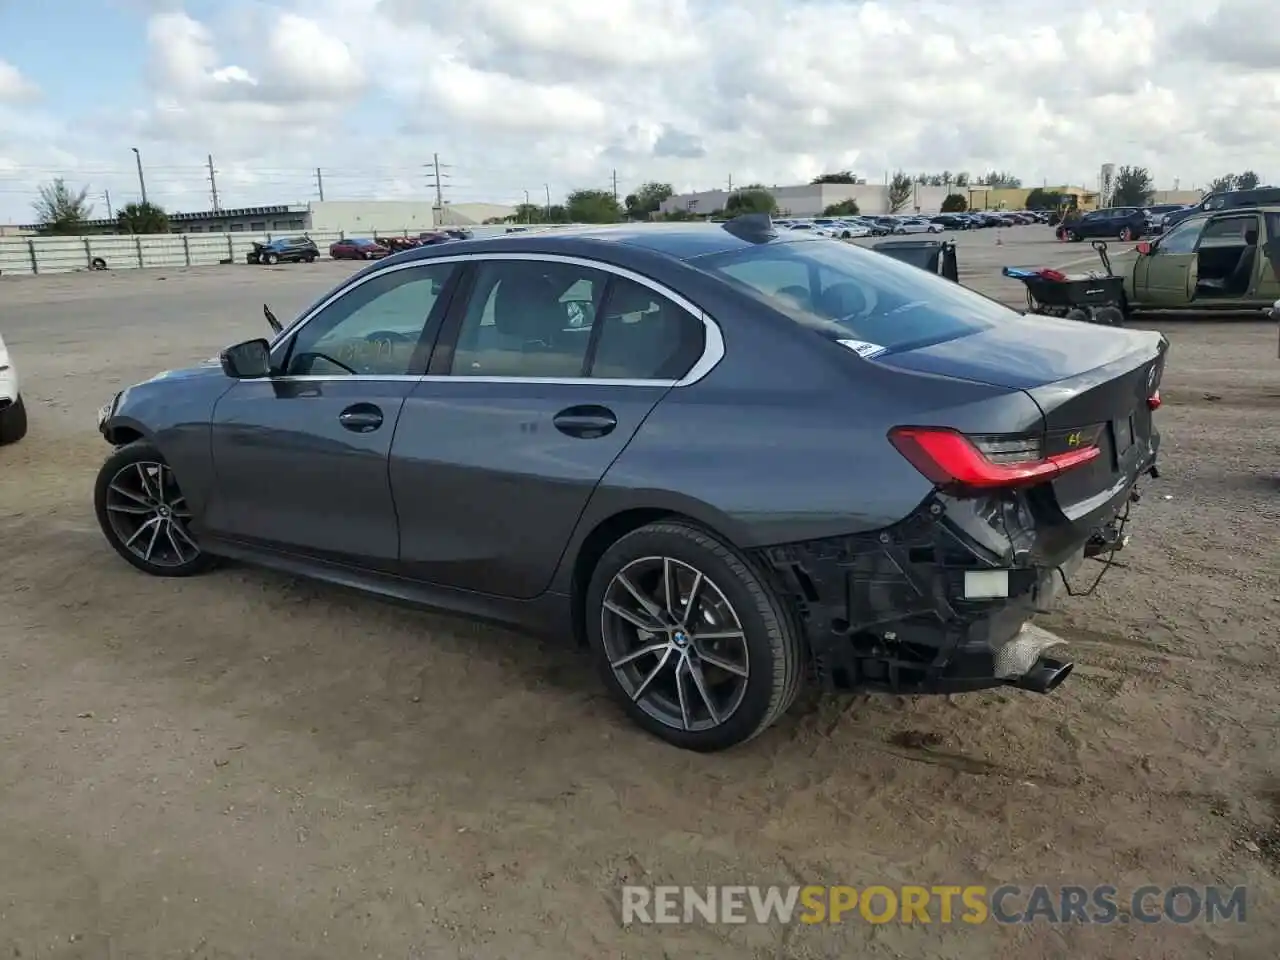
(942, 602)
(1037, 436)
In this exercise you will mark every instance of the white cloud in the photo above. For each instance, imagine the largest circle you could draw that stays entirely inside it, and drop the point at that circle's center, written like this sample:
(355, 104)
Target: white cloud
(516, 94)
(14, 87)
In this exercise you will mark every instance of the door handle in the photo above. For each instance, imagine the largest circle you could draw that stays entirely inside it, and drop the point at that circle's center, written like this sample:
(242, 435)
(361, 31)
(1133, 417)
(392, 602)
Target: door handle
(586, 422)
(361, 418)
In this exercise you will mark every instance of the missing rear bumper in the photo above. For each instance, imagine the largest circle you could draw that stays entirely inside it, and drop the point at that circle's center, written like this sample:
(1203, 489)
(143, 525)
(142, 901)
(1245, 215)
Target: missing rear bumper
(939, 603)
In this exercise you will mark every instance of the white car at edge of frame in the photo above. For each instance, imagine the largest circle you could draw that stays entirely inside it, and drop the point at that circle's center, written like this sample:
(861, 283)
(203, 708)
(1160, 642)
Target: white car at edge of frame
(13, 414)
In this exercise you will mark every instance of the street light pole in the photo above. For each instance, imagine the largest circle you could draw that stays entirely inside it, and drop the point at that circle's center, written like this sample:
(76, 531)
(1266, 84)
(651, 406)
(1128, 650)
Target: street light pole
(142, 184)
(547, 187)
(527, 212)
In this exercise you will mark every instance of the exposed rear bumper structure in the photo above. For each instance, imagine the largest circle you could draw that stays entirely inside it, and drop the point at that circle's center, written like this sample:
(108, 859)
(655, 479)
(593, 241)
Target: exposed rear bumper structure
(939, 603)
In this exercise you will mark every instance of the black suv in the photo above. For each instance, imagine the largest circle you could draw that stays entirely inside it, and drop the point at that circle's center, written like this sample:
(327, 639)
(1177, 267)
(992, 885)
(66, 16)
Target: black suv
(1125, 223)
(284, 250)
(1224, 200)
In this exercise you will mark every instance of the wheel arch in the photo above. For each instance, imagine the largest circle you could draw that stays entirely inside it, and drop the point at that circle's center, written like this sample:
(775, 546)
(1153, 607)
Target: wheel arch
(120, 431)
(602, 528)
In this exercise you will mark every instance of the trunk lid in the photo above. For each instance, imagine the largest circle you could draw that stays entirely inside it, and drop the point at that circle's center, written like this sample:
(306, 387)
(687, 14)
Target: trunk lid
(1093, 386)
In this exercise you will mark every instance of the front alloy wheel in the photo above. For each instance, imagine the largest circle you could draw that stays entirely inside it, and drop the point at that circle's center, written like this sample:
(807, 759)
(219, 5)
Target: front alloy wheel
(690, 638)
(144, 514)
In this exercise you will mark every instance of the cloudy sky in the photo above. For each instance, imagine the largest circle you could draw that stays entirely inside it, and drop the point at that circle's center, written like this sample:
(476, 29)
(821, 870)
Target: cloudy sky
(522, 95)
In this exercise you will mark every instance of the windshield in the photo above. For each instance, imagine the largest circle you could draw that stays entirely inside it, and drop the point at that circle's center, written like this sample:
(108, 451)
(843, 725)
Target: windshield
(848, 292)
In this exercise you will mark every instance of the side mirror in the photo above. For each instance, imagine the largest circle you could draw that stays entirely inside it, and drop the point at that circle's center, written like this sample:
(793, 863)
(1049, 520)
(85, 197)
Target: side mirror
(250, 360)
(1144, 248)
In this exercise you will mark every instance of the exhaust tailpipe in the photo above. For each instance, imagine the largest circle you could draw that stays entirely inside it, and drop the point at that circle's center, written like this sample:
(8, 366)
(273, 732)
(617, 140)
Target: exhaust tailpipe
(1046, 676)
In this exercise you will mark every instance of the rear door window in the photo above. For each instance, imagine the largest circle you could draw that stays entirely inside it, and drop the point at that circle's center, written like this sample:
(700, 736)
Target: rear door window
(1228, 231)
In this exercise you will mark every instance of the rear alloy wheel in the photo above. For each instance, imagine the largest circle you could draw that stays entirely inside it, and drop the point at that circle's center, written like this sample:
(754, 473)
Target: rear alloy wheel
(1126, 234)
(270, 259)
(693, 642)
(144, 515)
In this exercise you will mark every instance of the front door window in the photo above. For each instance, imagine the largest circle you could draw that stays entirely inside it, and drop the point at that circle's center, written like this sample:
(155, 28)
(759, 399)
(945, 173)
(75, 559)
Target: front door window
(374, 329)
(1181, 239)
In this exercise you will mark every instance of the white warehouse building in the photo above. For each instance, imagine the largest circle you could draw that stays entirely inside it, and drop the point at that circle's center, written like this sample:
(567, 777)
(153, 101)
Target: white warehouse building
(811, 199)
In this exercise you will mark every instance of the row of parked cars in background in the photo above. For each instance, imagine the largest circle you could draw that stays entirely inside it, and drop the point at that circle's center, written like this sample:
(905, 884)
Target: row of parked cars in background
(850, 227)
(304, 249)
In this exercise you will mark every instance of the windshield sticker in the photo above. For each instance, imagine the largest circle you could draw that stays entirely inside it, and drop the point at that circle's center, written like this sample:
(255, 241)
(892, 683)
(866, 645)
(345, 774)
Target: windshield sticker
(863, 349)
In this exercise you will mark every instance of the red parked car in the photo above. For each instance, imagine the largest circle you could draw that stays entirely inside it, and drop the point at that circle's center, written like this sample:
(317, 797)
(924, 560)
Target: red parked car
(356, 248)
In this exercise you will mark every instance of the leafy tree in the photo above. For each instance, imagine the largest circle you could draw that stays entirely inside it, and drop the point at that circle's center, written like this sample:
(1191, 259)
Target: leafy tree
(1042, 199)
(559, 213)
(62, 210)
(962, 179)
(1223, 183)
(845, 208)
(955, 203)
(647, 200)
(529, 213)
(1001, 179)
(1133, 187)
(841, 176)
(679, 215)
(931, 179)
(592, 206)
(753, 198)
(901, 190)
(1247, 181)
(143, 218)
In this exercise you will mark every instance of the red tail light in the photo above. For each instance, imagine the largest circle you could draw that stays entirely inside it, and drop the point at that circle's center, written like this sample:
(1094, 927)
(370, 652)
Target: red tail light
(1153, 401)
(951, 459)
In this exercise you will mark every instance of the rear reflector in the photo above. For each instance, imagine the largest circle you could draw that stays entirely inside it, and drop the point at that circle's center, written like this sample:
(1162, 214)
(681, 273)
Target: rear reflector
(1153, 401)
(950, 459)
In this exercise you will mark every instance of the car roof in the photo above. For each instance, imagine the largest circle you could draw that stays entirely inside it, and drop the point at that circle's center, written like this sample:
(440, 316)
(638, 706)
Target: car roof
(680, 241)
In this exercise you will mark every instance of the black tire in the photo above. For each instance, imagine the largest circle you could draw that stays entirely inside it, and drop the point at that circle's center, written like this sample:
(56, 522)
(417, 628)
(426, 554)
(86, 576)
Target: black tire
(765, 629)
(270, 259)
(1126, 234)
(1075, 313)
(310, 258)
(13, 422)
(121, 506)
(1109, 316)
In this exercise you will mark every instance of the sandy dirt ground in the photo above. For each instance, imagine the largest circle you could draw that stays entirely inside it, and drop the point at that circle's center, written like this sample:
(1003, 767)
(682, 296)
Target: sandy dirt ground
(246, 765)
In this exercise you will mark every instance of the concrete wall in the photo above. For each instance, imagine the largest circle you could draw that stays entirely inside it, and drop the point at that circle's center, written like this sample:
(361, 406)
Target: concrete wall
(363, 217)
(1186, 197)
(27, 255)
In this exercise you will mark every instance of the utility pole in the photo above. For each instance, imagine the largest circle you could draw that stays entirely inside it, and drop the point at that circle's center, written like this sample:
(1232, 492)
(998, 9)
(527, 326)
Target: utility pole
(142, 183)
(320, 184)
(615, 188)
(528, 214)
(547, 187)
(213, 185)
(437, 167)
(731, 183)
(106, 195)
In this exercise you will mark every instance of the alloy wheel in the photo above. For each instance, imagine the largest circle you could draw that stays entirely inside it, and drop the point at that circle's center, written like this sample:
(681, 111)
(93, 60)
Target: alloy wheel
(149, 515)
(675, 644)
